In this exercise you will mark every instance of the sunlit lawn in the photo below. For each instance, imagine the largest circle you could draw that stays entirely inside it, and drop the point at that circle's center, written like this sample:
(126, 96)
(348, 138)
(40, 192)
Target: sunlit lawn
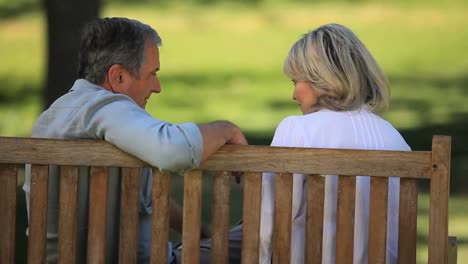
(226, 63)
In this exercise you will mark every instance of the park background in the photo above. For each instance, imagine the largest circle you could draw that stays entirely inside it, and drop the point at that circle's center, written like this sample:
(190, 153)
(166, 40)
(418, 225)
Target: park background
(223, 60)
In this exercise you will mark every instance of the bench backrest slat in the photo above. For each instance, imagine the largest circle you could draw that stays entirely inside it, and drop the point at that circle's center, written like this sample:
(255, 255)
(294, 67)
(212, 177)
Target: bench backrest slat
(67, 214)
(8, 182)
(97, 215)
(282, 222)
(345, 219)
(252, 183)
(220, 217)
(407, 232)
(192, 217)
(314, 219)
(160, 220)
(130, 182)
(378, 220)
(38, 212)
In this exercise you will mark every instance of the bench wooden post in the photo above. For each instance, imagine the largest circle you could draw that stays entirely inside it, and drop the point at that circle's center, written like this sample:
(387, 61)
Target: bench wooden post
(439, 194)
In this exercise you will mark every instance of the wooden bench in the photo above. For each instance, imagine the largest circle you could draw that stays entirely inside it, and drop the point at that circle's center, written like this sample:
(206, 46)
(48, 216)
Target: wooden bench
(411, 167)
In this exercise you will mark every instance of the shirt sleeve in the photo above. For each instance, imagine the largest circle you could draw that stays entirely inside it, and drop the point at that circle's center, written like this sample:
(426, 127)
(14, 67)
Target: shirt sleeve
(161, 144)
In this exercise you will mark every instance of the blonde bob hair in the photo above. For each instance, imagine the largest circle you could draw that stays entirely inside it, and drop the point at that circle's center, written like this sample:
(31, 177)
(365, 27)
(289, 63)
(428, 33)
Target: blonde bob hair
(341, 69)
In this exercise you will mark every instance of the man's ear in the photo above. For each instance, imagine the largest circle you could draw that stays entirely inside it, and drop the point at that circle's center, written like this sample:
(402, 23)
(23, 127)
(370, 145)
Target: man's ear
(115, 78)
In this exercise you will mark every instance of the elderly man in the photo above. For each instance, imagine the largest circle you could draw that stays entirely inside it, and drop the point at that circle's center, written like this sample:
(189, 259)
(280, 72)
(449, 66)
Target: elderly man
(118, 72)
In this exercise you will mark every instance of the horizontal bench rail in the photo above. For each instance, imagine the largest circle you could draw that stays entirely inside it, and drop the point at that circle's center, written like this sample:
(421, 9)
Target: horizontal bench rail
(228, 158)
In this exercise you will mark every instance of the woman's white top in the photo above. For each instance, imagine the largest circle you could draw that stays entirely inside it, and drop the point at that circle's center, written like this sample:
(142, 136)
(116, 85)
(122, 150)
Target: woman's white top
(360, 129)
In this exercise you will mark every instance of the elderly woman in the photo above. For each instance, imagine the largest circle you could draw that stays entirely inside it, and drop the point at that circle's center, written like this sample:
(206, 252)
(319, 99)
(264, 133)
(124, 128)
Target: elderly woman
(338, 86)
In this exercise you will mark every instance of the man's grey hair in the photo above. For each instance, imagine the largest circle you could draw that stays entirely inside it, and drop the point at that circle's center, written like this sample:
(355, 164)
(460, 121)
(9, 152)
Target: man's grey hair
(109, 41)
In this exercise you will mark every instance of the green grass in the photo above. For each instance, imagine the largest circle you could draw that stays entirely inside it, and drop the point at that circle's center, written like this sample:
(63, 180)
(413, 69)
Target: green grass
(225, 62)
(458, 219)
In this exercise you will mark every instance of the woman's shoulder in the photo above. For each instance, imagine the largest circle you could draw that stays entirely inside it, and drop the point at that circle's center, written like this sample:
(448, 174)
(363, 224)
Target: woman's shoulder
(320, 117)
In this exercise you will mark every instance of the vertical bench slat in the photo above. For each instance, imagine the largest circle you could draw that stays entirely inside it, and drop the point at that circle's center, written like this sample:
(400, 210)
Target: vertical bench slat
(38, 212)
(160, 224)
(378, 220)
(67, 214)
(192, 217)
(407, 221)
(97, 215)
(8, 181)
(345, 219)
(439, 198)
(282, 223)
(220, 216)
(130, 182)
(314, 219)
(251, 217)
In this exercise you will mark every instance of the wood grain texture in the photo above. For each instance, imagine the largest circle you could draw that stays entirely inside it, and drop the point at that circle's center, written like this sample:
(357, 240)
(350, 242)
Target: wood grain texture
(130, 182)
(160, 225)
(439, 198)
(251, 217)
(38, 212)
(192, 217)
(67, 214)
(97, 215)
(314, 219)
(407, 223)
(228, 158)
(220, 217)
(8, 182)
(345, 219)
(282, 222)
(378, 220)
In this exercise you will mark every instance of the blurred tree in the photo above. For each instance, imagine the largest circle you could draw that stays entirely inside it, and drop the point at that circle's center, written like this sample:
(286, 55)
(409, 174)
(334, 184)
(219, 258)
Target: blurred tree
(65, 19)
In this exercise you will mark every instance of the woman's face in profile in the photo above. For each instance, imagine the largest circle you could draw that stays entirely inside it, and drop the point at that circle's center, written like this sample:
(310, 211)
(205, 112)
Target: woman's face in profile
(305, 95)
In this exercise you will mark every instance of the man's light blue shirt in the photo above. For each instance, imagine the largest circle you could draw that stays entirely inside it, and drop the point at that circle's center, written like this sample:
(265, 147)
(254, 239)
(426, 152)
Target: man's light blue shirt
(92, 112)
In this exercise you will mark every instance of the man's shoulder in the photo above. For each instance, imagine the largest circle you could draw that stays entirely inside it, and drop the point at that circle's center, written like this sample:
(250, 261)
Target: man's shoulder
(86, 94)
(71, 114)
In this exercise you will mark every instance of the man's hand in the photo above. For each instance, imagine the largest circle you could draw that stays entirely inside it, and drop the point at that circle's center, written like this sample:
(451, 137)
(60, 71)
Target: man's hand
(219, 133)
(237, 137)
